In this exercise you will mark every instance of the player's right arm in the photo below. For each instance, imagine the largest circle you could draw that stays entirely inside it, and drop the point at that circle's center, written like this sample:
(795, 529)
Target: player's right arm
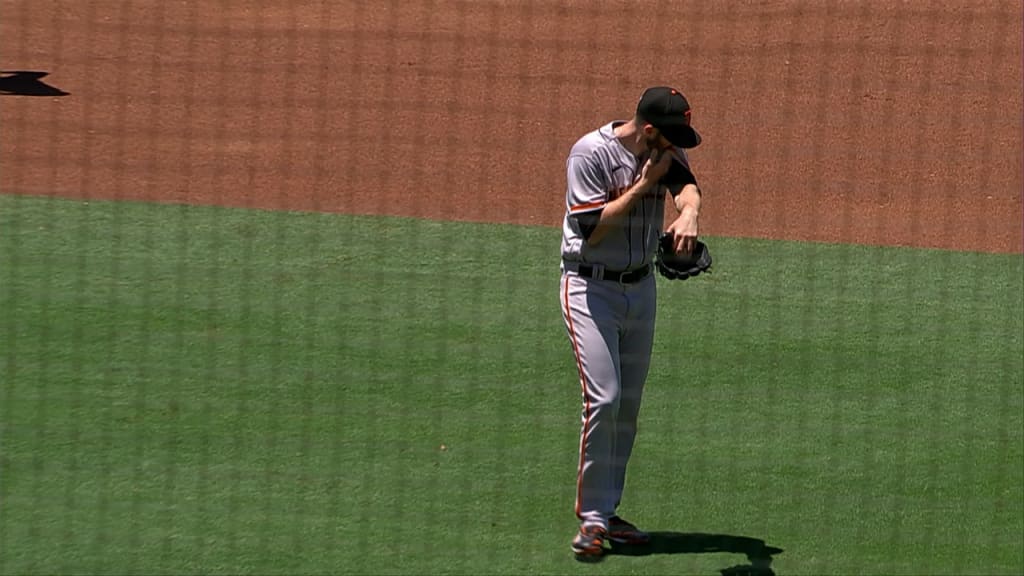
(597, 217)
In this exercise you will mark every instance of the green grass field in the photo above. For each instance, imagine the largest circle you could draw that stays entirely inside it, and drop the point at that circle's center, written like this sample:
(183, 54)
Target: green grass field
(204, 390)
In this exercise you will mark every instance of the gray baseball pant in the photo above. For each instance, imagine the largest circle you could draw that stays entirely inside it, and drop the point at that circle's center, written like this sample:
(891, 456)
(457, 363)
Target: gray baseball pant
(611, 329)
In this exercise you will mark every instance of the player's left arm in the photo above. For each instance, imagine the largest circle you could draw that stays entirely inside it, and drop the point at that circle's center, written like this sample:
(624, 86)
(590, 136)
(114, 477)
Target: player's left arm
(686, 196)
(685, 228)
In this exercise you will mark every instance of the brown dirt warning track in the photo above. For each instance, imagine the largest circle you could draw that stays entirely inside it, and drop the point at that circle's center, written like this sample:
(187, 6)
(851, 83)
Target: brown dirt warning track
(876, 122)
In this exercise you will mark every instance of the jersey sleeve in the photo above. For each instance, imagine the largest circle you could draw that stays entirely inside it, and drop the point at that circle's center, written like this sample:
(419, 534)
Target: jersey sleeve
(679, 173)
(587, 191)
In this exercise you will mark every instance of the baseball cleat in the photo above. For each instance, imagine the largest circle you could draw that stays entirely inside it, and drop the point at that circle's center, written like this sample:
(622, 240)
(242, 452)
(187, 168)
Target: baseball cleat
(623, 532)
(588, 545)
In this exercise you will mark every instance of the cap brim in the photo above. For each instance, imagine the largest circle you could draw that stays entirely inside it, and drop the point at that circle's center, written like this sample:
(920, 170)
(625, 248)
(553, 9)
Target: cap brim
(682, 136)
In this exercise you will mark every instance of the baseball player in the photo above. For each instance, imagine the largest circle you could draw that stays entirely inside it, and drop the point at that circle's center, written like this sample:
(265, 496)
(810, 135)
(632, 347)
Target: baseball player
(614, 203)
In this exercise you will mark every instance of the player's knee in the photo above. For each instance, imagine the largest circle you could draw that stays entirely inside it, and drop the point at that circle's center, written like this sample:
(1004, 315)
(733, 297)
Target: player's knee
(608, 404)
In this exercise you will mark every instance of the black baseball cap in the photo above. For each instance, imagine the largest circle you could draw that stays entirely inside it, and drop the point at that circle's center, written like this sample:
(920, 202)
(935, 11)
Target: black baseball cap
(666, 109)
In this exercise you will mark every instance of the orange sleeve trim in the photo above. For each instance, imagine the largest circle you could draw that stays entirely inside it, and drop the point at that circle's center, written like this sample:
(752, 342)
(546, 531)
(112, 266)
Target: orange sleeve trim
(587, 206)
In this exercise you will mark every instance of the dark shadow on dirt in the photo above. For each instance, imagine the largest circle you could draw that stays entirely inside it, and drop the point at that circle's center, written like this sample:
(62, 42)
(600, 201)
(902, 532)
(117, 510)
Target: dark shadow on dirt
(27, 83)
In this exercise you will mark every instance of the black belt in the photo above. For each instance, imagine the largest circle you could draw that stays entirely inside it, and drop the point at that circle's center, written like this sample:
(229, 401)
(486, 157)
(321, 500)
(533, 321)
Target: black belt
(627, 277)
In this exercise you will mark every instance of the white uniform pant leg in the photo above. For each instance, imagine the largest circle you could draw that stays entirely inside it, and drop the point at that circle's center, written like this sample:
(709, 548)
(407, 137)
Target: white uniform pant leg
(593, 313)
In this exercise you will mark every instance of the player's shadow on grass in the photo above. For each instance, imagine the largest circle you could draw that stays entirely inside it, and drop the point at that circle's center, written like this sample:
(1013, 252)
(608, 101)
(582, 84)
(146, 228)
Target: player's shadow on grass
(26, 83)
(759, 555)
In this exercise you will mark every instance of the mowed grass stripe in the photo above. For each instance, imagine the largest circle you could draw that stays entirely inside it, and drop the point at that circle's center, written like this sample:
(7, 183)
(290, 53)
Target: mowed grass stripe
(192, 389)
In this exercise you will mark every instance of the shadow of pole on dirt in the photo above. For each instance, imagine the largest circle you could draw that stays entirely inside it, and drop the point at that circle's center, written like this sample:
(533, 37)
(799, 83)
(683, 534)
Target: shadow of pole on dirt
(27, 83)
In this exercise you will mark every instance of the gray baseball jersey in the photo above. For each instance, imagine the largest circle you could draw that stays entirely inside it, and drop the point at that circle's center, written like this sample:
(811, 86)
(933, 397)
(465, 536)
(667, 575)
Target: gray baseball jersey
(599, 169)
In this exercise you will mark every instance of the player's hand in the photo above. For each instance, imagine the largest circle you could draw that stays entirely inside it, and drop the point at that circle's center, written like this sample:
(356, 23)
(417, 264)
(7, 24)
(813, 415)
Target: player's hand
(684, 232)
(656, 166)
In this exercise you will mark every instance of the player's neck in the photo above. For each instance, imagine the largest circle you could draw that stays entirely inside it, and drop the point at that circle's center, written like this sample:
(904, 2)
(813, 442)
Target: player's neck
(628, 134)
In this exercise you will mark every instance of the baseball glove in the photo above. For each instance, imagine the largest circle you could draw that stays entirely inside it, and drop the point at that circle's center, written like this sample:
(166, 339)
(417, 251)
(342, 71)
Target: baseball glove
(682, 266)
